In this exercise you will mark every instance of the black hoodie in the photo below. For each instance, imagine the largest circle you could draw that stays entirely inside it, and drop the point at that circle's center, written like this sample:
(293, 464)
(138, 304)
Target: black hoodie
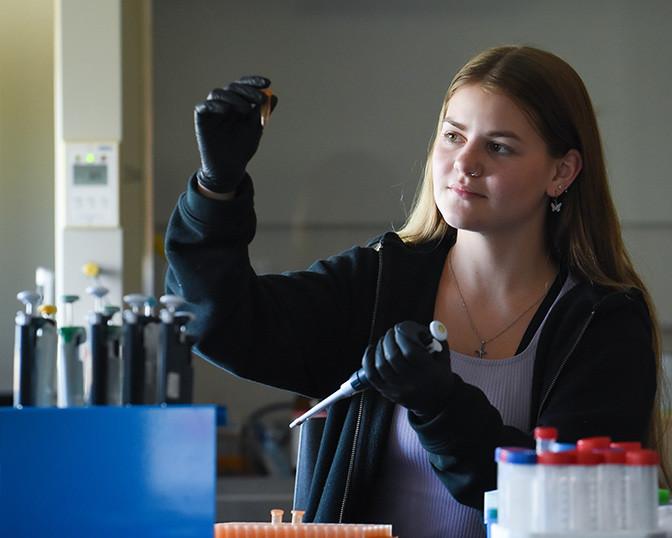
(305, 331)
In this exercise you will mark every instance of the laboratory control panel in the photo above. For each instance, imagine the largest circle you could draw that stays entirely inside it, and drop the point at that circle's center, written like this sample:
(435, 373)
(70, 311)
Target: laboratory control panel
(92, 184)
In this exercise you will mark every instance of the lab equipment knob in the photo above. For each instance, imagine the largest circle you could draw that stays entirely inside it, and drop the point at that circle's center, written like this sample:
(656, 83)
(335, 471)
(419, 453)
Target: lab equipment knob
(97, 291)
(91, 270)
(171, 302)
(136, 301)
(47, 310)
(110, 310)
(29, 298)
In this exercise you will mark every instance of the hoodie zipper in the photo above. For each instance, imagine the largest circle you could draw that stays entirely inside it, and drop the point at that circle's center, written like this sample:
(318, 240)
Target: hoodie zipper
(569, 353)
(562, 364)
(355, 437)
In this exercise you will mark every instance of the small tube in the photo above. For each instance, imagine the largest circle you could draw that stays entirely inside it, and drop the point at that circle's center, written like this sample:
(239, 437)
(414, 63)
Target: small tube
(641, 490)
(583, 492)
(297, 517)
(611, 491)
(551, 511)
(266, 106)
(276, 516)
(545, 437)
(516, 478)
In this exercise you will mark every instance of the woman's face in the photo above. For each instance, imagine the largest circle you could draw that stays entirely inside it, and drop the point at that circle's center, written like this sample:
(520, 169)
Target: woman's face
(491, 169)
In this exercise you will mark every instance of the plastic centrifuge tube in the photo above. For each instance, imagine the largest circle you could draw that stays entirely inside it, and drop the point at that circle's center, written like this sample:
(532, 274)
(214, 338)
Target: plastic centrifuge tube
(551, 509)
(583, 491)
(516, 472)
(611, 490)
(545, 436)
(641, 490)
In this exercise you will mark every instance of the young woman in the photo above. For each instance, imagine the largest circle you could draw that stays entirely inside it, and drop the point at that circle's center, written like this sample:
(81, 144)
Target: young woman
(513, 243)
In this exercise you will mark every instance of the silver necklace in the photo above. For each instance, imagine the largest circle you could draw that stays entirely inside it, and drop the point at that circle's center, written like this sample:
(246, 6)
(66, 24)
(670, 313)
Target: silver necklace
(481, 352)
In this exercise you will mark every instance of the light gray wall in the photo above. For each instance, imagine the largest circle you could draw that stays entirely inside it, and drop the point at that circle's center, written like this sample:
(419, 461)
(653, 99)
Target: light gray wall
(360, 85)
(26, 158)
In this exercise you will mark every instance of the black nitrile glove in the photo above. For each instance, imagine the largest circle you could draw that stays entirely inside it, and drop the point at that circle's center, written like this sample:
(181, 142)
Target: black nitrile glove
(402, 369)
(228, 130)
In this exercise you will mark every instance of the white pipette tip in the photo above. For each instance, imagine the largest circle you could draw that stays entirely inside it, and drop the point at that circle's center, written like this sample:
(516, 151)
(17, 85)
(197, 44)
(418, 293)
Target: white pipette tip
(345, 391)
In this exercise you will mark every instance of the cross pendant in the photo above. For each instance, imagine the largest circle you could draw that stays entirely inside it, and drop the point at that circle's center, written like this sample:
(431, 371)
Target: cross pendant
(480, 352)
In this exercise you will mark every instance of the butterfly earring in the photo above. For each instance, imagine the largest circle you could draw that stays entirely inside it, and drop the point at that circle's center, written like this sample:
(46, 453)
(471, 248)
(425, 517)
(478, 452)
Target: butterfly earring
(556, 205)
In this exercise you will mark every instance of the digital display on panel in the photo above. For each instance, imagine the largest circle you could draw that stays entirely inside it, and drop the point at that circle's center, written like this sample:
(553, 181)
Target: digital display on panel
(90, 174)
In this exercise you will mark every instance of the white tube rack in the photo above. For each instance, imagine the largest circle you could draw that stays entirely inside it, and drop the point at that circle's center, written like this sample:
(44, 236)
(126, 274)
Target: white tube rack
(497, 531)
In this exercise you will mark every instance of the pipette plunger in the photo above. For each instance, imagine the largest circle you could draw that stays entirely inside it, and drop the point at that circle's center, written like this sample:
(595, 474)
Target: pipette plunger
(171, 302)
(98, 293)
(30, 299)
(136, 301)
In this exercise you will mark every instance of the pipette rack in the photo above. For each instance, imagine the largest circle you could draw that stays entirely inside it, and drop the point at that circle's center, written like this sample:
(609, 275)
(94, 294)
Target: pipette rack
(107, 471)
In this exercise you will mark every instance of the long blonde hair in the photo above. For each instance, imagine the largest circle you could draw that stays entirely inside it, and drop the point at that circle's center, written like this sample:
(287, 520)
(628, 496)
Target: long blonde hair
(585, 236)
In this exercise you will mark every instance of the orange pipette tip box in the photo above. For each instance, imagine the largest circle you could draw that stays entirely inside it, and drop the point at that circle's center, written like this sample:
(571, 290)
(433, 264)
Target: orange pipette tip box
(291, 530)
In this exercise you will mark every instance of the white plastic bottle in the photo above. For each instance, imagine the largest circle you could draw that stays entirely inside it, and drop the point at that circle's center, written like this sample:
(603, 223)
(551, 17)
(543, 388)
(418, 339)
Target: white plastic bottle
(516, 471)
(583, 491)
(551, 505)
(641, 490)
(611, 491)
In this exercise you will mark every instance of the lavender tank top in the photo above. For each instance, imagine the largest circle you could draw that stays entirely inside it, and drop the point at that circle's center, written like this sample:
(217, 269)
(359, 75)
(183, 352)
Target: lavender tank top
(410, 495)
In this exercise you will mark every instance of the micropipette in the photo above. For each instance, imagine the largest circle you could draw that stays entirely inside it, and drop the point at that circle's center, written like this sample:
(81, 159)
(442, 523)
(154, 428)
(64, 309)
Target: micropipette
(69, 366)
(35, 346)
(101, 350)
(359, 382)
(175, 373)
(141, 340)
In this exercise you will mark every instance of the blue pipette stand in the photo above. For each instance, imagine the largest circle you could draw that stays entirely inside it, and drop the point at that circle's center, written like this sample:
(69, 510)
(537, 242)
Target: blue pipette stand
(108, 472)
